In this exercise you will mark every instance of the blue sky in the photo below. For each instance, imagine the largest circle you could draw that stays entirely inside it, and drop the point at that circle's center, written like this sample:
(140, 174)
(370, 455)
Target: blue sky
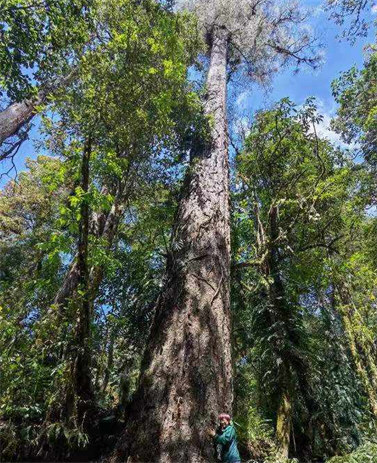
(338, 56)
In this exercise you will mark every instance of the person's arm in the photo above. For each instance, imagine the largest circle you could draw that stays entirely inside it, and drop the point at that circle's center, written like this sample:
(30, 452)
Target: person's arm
(226, 436)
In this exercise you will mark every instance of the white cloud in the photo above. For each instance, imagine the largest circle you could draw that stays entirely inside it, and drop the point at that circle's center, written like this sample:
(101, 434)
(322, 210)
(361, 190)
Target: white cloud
(327, 110)
(323, 128)
(374, 8)
(241, 126)
(241, 100)
(324, 131)
(318, 10)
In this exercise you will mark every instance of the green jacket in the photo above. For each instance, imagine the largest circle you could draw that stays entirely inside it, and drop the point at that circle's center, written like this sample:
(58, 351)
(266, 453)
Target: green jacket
(228, 441)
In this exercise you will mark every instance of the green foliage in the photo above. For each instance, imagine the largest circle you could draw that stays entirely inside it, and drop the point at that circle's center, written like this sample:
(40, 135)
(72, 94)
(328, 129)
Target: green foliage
(366, 453)
(355, 91)
(304, 246)
(296, 203)
(254, 432)
(131, 99)
(129, 293)
(39, 39)
(31, 334)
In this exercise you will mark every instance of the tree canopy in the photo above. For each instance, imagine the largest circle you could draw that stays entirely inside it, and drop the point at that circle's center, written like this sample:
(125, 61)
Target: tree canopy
(158, 266)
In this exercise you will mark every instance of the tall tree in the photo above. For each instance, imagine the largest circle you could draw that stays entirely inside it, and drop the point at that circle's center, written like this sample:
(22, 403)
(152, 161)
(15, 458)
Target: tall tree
(353, 297)
(296, 195)
(81, 396)
(186, 377)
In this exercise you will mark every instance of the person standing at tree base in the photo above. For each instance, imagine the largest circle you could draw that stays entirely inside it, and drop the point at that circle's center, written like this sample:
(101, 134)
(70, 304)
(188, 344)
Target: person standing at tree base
(226, 441)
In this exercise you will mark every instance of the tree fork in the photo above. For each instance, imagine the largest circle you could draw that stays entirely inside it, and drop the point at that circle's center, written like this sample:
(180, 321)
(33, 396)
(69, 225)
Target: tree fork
(186, 377)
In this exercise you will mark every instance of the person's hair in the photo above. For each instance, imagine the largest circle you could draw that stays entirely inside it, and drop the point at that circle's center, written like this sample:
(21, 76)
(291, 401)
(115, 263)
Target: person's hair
(224, 416)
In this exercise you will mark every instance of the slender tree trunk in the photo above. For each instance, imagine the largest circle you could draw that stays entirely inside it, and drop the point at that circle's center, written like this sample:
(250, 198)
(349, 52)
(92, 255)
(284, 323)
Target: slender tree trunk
(110, 361)
(186, 377)
(102, 225)
(78, 390)
(81, 372)
(282, 319)
(360, 366)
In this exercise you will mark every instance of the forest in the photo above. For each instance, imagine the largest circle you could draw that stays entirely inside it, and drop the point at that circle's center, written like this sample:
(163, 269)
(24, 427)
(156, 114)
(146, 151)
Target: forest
(165, 256)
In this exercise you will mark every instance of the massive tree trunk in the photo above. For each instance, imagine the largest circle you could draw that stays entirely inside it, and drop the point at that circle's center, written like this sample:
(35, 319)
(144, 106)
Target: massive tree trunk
(186, 377)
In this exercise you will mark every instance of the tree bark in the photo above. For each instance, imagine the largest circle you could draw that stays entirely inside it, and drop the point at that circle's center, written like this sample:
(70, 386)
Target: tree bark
(284, 424)
(186, 377)
(17, 115)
